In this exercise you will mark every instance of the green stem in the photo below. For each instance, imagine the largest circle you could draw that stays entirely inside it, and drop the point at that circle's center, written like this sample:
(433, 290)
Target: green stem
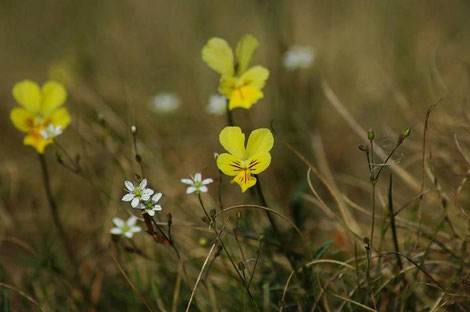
(219, 238)
(373, 182)
(274, 225)
(55, 212)
(393, 226)
(265, 204)
(229, 115)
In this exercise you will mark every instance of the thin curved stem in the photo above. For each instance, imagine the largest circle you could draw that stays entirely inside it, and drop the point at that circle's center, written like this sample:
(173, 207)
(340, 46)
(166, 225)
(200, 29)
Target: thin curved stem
(55, 212)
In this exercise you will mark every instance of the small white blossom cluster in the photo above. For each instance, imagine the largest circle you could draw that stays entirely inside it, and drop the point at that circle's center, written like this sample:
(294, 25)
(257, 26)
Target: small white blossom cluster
(141, 197)
(144, 198)
(298, 57)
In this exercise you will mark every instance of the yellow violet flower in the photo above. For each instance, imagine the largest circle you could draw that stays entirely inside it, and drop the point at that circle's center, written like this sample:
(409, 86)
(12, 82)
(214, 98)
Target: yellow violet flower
(241, 85)
(40, 109)
(240, 162)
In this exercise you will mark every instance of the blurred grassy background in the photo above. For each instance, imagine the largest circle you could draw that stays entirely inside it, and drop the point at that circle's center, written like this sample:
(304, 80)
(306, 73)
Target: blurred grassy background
(387, 61)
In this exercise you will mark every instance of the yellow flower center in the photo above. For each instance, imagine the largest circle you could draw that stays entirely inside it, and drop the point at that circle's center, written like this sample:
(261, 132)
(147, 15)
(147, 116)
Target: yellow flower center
(246, 167)
(36, 125)
(238, 87)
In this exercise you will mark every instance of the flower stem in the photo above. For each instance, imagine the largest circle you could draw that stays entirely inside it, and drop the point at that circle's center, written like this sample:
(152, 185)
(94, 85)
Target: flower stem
(229, 115)
(137, 156)
(273, 224)
(219, 238)
(264, 204)
(373, 182)
(55, 212)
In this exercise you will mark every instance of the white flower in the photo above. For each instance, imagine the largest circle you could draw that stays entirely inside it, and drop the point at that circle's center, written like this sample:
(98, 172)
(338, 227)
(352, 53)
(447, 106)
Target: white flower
(137, 193)
(125, 228)
(151, 205)
(217, 105)
(298, 57)
(196, 184)
(51, 132)
(165, 103)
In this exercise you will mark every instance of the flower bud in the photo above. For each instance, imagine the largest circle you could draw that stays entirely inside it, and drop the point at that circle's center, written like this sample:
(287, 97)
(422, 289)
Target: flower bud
(367, 242)
(404, 135)
(101, 120)
(370, 135)
(133, 130)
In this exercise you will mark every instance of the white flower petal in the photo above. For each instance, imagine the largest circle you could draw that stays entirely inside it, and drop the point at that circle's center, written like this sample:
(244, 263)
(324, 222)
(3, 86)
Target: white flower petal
(116, 231)
(157, 207)
(129, 185)
(207, 181)
(151, 213)
(128, 197)
(143, 184)
(135, 229)
(131, 221)
(197, 177)
(191, 190)
(187, 181)
(203, 189)
(156, 197)
(44, 134)
(135, 202)
(118, 222)
(129, 234)
(147, 192)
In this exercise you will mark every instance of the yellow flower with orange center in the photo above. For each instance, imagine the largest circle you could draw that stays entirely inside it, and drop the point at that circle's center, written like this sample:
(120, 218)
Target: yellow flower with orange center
(239, 84)
(40, 111)
(240, 162)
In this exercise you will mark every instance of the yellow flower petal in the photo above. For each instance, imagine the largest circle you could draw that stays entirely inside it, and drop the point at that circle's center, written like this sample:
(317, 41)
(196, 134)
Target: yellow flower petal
(259, 162)
(245, 180)
(22, 119)
(229, 164)
(260, 141)
(244, 97)
(219, 56)
(36, 141)
(255, 77)
(227, 85)
(233, 140)
(53, 96)
(59, 117)
(27, 94)
(245, 49)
